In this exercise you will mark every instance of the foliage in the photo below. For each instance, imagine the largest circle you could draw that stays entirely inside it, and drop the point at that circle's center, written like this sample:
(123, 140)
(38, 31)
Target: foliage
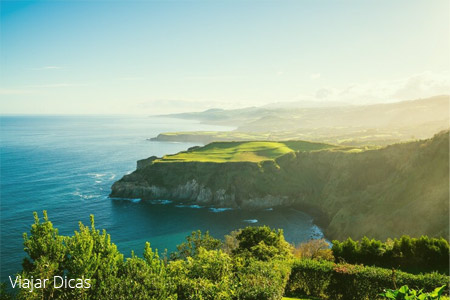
(4, 293)
(208, 275)
(89, 254)
(255, 263)
(314, 249)
(258, 280)
(262, 243)
(405, 293)
(346, 281)
(231, 242)
(194, 242)
(406, 253)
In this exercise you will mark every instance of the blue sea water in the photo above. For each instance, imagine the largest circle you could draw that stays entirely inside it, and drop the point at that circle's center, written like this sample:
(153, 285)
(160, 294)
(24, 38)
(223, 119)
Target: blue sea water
(67, 164)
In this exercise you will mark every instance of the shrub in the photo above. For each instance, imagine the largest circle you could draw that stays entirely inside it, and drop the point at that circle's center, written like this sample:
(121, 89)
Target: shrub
(194, 242)
(256, 280)
(90, 254)
(347, 281)
(314, 249)
(262, 243)
(416, 255)
(405, 293)
(208, 275)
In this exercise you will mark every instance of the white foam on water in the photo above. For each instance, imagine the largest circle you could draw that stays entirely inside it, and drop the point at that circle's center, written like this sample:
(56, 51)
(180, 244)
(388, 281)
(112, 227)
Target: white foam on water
(97, 175)
(217, 210)
(251, 221)
(190, 206)
(161, 202)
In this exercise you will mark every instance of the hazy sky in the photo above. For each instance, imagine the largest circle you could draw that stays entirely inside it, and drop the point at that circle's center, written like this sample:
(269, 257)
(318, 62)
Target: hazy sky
(76, 57)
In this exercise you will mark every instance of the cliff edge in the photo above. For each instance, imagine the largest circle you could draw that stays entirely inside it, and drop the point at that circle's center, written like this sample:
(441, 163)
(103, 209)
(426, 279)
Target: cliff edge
(387, 192)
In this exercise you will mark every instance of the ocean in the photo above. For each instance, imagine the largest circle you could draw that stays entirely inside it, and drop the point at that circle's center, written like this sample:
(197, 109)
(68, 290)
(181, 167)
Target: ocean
(67, 164)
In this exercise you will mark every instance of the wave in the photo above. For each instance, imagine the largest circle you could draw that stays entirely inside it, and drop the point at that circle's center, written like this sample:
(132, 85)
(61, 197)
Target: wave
(216, 210)
(133, 200)
(189, 206)
(85, 197)
(160, 202)
(251, 221)
(97, 175)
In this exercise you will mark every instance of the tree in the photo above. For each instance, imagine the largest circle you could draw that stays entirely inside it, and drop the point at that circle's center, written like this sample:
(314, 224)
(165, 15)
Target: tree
(194, 242)
(262, 243)
(314, 249)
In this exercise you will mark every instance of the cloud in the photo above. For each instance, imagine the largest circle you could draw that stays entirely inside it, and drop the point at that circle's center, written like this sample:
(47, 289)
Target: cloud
(416, 86)
(314, 76)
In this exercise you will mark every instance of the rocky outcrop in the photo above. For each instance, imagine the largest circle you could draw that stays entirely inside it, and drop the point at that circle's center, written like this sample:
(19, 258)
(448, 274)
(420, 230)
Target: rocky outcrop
(194, 192)
(396, 190)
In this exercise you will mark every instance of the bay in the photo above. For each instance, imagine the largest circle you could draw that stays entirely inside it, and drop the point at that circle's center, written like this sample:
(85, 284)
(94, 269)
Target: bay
(67, 164)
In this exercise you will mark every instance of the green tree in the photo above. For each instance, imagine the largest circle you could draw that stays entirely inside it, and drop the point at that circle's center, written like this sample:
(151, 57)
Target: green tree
(262, 243)
(194, 242)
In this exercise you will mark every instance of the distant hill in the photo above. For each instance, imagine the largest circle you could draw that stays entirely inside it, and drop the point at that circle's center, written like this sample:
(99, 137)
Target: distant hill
(378, 124)
(387, 192)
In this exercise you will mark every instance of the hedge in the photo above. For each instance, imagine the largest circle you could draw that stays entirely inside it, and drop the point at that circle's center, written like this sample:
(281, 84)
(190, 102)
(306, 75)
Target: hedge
(346, 281)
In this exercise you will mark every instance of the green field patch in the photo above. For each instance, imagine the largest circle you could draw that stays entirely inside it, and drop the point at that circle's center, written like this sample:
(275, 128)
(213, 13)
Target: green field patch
(254, 151)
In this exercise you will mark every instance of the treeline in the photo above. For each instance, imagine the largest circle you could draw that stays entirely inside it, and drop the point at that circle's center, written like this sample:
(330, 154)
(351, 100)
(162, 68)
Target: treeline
(414, 255)
(254, 263)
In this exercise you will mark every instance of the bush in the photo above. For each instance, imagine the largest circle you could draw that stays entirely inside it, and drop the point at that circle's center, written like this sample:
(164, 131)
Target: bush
(256, 280)
(314, 249)
(405, 293)
(90, 254)
(208, 275)
(346, 281)
(262, 243)
(416, 255)
(194, 242)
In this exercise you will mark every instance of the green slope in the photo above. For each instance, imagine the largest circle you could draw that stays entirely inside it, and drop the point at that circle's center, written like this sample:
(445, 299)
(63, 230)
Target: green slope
(243, 151)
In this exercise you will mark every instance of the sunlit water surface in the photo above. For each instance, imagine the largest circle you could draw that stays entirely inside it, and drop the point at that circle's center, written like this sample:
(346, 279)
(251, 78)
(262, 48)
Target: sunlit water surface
(66, 165)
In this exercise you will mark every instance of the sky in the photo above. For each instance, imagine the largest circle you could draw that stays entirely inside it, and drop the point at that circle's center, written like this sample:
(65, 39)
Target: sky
(153, 57)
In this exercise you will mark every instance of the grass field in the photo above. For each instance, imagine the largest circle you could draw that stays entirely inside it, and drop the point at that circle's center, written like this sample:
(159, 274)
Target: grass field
(243, 151)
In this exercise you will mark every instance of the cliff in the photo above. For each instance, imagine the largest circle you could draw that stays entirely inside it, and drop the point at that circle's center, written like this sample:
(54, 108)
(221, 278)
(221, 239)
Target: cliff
(399, 189)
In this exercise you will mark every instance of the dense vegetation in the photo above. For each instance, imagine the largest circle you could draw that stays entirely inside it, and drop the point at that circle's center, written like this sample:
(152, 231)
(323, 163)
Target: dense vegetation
(253, 263)
(329, 280)
(382, 193)
(406, 253)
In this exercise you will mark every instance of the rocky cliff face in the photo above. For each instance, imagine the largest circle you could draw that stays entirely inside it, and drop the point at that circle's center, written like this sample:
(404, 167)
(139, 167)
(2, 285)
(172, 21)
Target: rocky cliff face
(400, 189)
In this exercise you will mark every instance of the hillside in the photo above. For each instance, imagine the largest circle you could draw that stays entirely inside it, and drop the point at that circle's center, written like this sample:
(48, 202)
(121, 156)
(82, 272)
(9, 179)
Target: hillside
(378, 124)
(243, 151)
(387, 192)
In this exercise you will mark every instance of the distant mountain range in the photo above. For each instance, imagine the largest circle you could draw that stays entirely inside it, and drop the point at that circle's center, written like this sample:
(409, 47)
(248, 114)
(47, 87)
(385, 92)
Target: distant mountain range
(377, 124)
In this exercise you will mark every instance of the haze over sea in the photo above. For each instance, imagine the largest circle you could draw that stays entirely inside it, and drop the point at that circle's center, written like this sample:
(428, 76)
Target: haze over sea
(67, 164)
